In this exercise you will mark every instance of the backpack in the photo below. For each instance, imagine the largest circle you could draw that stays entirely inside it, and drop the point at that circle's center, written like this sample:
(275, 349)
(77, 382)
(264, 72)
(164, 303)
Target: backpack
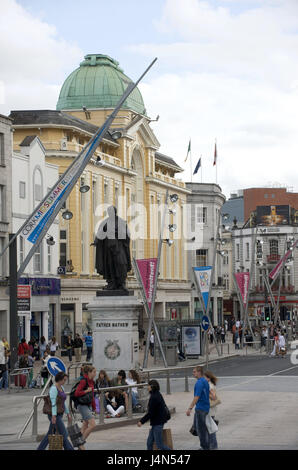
(84, 400)
(23, 362)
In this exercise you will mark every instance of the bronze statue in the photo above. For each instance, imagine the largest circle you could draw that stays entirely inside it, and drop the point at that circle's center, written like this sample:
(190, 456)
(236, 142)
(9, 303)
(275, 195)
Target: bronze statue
(112, 242)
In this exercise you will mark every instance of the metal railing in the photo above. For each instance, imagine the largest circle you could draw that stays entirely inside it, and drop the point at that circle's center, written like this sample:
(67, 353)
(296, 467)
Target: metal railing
(76, 366)
(101, 416)
(17, 373)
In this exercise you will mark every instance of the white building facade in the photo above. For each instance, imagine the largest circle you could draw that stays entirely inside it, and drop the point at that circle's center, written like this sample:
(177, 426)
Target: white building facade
(206, 201)
(33, 177)
(5, 218)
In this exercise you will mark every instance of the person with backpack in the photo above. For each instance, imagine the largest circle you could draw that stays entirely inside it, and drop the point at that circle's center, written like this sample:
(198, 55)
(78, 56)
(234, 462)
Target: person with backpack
(158, 414)
(23, 346)
(82, 395)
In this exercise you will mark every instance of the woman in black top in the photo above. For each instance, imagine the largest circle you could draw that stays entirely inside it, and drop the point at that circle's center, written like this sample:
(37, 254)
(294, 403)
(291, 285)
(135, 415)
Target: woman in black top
(158, 416)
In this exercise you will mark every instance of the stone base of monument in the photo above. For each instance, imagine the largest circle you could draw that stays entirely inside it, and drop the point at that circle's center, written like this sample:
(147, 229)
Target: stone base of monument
(115, 332)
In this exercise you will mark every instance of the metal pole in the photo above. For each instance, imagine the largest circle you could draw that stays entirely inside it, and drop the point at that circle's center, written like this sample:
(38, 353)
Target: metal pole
(136, 268)
(13, 289)
(155, 282)
(252, 266)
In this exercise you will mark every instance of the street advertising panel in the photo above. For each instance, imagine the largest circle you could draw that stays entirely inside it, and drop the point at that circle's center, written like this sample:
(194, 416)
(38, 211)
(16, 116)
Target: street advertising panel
(191, 337)
(24, 300)
(273, 215)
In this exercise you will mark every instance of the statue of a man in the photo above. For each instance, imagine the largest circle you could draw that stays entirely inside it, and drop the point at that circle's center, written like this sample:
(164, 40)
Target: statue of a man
(112, 251)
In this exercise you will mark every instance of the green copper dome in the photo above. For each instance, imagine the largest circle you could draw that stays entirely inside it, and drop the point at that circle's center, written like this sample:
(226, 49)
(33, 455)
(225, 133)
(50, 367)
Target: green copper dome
(98, 83)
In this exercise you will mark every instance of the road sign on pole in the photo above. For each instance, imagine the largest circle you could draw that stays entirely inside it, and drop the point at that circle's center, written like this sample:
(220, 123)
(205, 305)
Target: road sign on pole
(55, 365)
(205, 323)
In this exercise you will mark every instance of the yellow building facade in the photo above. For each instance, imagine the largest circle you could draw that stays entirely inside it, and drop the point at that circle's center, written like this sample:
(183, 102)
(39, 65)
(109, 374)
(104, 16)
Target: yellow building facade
(130, 174)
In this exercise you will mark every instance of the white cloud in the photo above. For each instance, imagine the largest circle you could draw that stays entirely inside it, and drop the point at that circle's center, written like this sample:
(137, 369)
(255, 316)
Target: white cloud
(34, 59)
(233, 77)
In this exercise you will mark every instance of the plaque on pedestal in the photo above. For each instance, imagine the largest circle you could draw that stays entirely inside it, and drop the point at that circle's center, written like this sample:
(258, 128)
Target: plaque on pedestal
(115, 332)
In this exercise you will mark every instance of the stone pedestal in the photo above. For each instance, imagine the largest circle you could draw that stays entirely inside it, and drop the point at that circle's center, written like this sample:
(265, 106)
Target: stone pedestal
(115, 332)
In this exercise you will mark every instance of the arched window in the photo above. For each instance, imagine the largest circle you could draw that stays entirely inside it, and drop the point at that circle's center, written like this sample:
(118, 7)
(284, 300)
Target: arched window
(273, 244)
(37, 186)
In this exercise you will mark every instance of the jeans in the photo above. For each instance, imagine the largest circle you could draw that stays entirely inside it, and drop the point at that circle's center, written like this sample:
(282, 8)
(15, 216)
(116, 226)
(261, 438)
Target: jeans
(155, 435)
(134, 399)
(4, 380)
(213, 440)
(69, 351)
(200, 420)
(61, 429)
(89, 353)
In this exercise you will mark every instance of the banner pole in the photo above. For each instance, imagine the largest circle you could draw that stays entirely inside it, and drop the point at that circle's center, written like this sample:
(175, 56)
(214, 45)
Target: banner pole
(148, 310)
(155, 282)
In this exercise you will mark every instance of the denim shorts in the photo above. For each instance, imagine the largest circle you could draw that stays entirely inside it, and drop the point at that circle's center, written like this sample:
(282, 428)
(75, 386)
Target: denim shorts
(86, 412)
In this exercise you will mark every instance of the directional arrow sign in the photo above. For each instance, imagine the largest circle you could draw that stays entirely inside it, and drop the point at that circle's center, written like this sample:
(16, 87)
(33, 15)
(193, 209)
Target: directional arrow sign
(55, 365)
(205, 323)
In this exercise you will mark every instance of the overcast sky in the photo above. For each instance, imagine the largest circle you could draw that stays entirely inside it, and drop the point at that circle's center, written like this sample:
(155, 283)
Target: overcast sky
(227, 70)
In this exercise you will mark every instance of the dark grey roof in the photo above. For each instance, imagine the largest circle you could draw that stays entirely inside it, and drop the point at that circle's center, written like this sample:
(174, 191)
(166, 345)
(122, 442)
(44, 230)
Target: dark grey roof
(28, 141)
(43, 117)
(165, 159)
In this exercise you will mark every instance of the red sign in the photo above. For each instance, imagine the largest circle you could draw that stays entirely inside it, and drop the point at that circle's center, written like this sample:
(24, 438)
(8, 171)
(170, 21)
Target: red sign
(242, 280)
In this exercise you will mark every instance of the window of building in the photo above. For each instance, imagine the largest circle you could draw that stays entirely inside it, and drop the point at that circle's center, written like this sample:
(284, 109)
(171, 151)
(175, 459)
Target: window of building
(2, 156)
(201, 215)
(226, 284)
(22, 190)
(273, 246)
(201, 258)
(237, 252)
(247, 251)
(49, 258)
(63, 251)
(37, 267)
(1, 202)
(226, 259)
(37, 185)
(21, 249)
(2, 257)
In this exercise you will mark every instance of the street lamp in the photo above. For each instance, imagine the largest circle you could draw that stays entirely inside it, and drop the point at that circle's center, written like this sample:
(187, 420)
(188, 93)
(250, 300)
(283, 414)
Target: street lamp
(67, 215)
(50, 241)
(172, 228)
(174, 198)
(84, 188)
(99, 162)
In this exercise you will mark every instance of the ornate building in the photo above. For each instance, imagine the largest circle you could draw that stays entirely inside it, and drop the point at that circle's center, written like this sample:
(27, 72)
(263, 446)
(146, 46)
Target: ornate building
(126, 170)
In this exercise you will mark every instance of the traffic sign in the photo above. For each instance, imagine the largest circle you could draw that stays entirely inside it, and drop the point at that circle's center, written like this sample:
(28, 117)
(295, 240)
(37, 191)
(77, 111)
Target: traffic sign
(55, 365)
(205, 323)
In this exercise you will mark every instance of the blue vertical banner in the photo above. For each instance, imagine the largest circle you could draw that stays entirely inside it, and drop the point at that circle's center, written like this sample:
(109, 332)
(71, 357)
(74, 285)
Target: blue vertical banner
(203, 278)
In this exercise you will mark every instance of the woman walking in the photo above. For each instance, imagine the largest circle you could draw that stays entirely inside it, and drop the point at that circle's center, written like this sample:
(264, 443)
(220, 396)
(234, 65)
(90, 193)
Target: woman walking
(59, 406)
(84, 395)
(53, 346)
(158, 416)
(214, 401)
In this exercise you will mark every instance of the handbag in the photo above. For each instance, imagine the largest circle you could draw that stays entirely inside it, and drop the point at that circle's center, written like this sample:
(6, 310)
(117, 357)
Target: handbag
(55, 440)
(166, 439)
(75, 435)
(47, 406)
(210, 424)
(215, 402)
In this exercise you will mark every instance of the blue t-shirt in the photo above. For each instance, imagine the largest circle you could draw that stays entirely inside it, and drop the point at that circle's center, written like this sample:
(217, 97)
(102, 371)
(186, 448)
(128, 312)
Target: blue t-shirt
(202, 391)
(89, 341)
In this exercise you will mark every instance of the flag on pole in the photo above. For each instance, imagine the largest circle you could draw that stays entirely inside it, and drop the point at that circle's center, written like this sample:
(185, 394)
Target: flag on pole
(215, 155)
(198, 166)
(188, 150)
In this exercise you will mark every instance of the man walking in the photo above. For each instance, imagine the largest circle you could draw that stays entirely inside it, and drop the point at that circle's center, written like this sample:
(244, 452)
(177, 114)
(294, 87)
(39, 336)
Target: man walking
(201, 403)
(89, 345)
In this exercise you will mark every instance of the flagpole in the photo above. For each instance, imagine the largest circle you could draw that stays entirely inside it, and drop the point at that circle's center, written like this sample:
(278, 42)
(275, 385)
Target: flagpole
(201, 171)
(216, 161)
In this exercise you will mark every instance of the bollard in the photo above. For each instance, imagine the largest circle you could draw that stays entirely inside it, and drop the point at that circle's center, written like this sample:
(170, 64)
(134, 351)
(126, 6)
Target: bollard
(129, 414)
(186, 382)
(35, 418)
(168, 383)
(101, 408)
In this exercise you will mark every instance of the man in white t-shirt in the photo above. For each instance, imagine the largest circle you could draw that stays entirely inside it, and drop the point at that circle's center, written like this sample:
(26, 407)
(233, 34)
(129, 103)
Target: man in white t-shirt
(237, 324)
